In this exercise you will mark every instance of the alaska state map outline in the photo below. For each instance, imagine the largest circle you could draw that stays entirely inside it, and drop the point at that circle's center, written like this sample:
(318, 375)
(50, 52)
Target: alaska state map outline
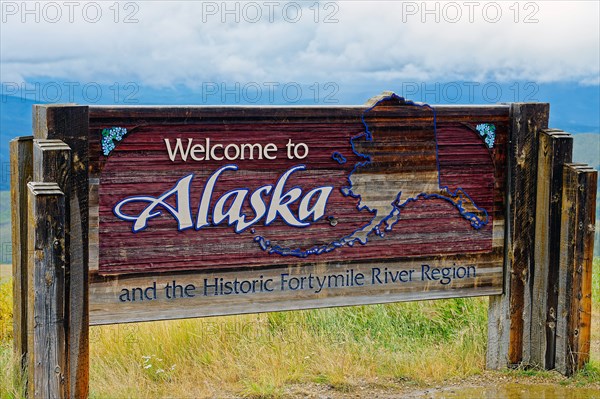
(384, 219)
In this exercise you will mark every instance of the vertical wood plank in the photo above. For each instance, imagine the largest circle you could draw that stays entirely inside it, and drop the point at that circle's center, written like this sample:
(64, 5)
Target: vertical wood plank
(555, 149)
(582, 333)
(47, 368)
(527, 121)
(69, 123)
(509, 315)
(21, 160)
(499, 327)
(575, 273)
(567, 245)
(52, 164)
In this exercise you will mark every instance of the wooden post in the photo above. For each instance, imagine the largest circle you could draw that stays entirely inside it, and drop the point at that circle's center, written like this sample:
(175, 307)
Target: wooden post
(48, 367)
(573, 327)
(21, 160)
(69, 123)
(509, 315)
(555, 149)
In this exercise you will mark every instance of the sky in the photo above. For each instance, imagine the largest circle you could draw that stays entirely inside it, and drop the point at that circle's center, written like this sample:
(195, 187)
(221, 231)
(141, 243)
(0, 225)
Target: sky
(298, 52)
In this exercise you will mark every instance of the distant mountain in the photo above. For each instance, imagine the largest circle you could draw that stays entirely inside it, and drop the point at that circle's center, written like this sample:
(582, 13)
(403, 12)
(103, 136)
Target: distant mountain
(15, 120)
(586, 149)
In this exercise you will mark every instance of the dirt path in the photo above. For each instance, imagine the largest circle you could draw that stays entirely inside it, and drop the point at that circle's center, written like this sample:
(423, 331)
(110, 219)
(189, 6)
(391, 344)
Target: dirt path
(488, 385)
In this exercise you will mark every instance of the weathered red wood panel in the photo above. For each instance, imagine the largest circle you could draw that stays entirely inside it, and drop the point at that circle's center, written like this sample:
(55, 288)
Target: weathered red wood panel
(409, 155)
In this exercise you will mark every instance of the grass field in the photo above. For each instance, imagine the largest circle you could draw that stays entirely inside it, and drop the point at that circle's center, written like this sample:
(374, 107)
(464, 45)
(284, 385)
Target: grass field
(346, 350)
(5, 272)
(5, 232)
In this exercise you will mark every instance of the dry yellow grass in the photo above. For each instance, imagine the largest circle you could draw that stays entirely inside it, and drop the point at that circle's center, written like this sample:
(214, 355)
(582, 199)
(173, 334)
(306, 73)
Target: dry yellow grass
(259, 355)
(5, 272)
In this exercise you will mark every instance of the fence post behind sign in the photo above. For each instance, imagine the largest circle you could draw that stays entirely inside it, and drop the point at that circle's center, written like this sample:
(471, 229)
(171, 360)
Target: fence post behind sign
(575, 274)
(555, 149)
(69, 123)
(21, 160)
(509, 315)
(47, 360)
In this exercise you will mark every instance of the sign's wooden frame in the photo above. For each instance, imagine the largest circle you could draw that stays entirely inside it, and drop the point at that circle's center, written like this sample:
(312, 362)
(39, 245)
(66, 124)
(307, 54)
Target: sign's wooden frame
(541, 319)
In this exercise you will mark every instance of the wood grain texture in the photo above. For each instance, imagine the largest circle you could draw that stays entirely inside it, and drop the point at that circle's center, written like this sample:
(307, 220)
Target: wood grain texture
(554, 151)
(47, 348)
(465, 163)
(528, 120)
(573, 328)
(52, 165)
(106, 309)
(21, 161)
(69, 123)
(403, 155)
(509, 316)
(162, 247)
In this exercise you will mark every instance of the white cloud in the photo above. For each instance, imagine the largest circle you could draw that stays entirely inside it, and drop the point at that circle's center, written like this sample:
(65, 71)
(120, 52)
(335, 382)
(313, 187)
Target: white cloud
(181, 43)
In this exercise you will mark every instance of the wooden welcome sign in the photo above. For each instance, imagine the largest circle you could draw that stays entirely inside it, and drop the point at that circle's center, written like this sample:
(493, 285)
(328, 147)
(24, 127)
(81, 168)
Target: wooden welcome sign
(154, 213)
(207, 211)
